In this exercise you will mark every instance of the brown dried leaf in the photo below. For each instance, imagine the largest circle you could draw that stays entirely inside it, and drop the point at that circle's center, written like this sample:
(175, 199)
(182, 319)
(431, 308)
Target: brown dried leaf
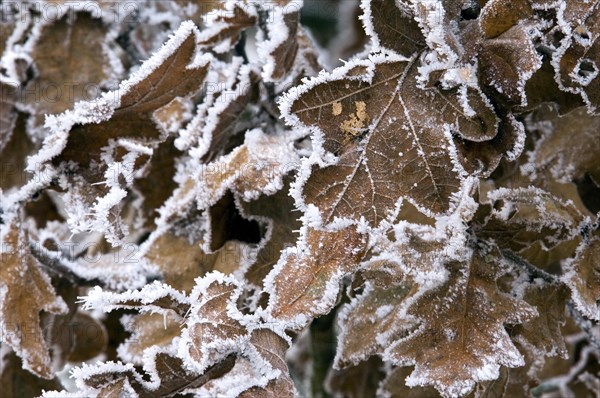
(210, 328)
(507, 62)
(272, 349)
(483, 157)
(14, 155)
(513, 382)
(395, 385)
(180, 262)
(281, 58)
(256, 167)
(462, 322)
(577, 60)
(149, 330)
(25, 292)
(283, 225)
(227, 118)
(365, 323)
(583, 278)
(134, 117)
(522, 216)
(394, 26)
(173, 378)
(71, 64)
(315, 268)
(157, 185)
(542, 88)
(388, 147)
(89, 335)
(544, 331)
(498, 16)
(568, 149)
(228, 27)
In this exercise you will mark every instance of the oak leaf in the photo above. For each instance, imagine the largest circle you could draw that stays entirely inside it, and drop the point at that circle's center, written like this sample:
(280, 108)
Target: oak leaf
(271, 348)
(544, 332)
(369, 116)
(25, 291)
(316, 266)
(576, 60)
(391, 24)
(462, 321)
(567, 148)
(210, 331)
(523, 216)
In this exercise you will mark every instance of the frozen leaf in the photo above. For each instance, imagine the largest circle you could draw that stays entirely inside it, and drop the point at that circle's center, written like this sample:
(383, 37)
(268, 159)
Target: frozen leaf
(210, 331)
(71, 62)
(391, 24)
(89, 335)
(179, 262)
(525, 215)
(14, 155)
(164, 77)
(282, 230)
(249, 170)
(370, 116)
(315, 267)
(568, 147)
(583, 278)
(543, 88)
(168, 377)
(223, 119)
(513, 382)
(281, 48)
(544, 331)
(395, 386)
(507, 62)
(224, 29)
(271, 348)
(157, 184)
(483, 157)
(25, 291)
(147, 331)
(372, 320)
(104, 141)
(498, 16)
(152, 298)
(576, 61)
(462, 322)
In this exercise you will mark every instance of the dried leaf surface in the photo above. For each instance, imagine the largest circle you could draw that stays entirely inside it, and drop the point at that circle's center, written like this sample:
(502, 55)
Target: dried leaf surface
(462, 320)
(72, 64)
(25, 291)
(387, 148)
(305, 283)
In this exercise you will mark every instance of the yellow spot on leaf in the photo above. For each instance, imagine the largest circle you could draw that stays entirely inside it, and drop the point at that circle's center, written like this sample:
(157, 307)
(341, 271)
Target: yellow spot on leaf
(336, 108)
(356, 122)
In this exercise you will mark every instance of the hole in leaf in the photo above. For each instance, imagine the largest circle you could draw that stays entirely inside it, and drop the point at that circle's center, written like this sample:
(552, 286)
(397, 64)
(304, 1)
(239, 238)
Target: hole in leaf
(587, 69)
(471, 11)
